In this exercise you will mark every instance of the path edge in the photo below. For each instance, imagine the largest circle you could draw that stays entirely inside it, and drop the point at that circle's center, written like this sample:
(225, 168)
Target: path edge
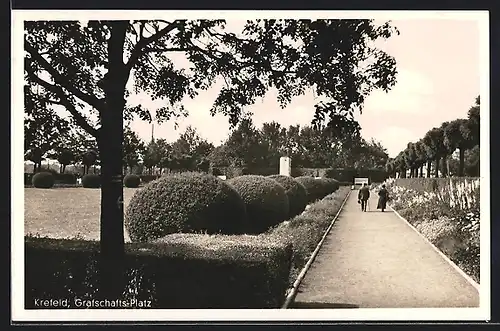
(468, 278)
(293, 292)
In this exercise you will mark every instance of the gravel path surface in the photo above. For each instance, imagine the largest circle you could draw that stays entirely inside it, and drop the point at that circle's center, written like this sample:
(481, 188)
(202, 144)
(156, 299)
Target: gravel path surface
(374, 260)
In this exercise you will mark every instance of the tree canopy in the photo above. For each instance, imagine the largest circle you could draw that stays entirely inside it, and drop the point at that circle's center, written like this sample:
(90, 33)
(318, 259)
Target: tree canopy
(438, 146)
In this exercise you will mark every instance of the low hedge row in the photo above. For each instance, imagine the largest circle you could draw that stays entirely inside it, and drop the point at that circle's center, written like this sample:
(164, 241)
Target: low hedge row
(429, 184)
(340, 174)
(49, 179)
(318, 188)
(177, 271)
(58, 178)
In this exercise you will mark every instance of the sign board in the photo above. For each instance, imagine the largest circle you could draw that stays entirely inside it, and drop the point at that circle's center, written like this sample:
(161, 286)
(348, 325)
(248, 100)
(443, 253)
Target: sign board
(285, 166)
(360, 181)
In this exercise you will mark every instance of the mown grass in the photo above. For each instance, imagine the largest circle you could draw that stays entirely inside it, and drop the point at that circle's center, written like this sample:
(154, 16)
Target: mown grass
(66, 212)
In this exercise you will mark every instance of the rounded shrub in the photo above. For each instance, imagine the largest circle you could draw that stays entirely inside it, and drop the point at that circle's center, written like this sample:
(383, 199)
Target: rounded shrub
(49, 170)
(188, 202)
(265, 199)
(43, 180)
(91, 181)
(131, 181)
(330, 185)
(296, 192)
(314, 187)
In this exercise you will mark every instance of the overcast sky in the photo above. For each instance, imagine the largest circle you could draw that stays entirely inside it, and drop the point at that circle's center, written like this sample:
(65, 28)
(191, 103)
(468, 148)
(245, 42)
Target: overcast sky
(438, 80)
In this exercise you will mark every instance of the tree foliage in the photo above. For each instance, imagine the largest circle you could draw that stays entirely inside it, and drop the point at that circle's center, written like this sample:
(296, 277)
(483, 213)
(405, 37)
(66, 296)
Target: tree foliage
(133, 148)
(438, 146)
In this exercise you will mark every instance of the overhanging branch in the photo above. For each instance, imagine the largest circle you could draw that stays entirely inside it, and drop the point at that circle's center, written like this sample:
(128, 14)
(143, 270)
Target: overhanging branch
(61, 80)
(64, 101)
(139, 47)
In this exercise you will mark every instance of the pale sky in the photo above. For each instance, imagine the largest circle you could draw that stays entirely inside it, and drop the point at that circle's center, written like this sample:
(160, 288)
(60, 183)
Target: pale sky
(438, 80)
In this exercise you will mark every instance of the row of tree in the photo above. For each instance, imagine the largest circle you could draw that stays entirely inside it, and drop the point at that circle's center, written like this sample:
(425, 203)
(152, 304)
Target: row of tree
(246, 146)
(436, 149)
(307, 146)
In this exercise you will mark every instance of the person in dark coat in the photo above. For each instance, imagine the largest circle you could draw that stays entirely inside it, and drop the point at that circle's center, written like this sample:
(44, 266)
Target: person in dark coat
(363, 196)
(383, 196)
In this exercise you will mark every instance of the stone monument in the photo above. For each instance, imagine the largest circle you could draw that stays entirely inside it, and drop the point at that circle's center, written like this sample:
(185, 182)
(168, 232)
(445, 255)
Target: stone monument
(285, 166)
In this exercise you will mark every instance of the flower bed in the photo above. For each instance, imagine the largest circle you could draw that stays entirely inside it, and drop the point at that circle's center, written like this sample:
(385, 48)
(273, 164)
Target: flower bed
(448, 217)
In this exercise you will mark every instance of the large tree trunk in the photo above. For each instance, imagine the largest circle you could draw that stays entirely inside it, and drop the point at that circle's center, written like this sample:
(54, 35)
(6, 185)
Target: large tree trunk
(436, 169)
(444, 166)
(111, 150)
(429, 166)
(461, 163)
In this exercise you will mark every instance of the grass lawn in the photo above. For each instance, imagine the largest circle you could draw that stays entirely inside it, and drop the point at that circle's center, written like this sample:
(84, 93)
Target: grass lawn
(66, 212)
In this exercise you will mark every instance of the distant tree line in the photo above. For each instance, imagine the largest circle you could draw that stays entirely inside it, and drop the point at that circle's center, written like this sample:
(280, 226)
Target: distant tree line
(436, 150)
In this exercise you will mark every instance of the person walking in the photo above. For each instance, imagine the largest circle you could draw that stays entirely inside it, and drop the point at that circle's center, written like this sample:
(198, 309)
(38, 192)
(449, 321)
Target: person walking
(383, 197)
(363, 196)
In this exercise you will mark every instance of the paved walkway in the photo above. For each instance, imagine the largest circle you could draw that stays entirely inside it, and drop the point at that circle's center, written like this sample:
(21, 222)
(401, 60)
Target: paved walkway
(375, 260)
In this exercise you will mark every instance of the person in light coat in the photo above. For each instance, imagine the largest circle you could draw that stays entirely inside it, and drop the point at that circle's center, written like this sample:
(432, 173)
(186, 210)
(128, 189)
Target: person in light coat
(383, 197)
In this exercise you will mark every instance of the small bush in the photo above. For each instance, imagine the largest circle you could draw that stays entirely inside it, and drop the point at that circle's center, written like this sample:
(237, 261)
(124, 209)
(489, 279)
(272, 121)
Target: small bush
(265, 200)
(91, 181)
(43, 180)
(28, 179)
(178, 271)
(131, 181)
(314, 187)
(296, 192)
(184, 203)
(54, 172)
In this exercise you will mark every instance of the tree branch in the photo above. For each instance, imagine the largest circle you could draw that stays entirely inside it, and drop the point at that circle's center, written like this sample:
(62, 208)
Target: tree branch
(61, 80)
(64, 101)
(138, 49)
(159, 49)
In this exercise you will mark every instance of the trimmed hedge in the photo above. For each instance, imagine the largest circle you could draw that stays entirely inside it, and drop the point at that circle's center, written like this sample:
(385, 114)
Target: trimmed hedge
(265, 199)
(184, 203)
(179, 271)
(43, 180)
(91, 181)
(330, 185)
(66, 178)
(131, 181)
(296, 192)
(315, 188)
